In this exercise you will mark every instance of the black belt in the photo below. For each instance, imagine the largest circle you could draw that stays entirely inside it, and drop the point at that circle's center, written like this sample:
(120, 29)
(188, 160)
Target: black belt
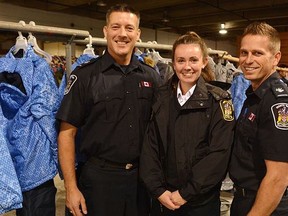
(110, 164)
(249, 193)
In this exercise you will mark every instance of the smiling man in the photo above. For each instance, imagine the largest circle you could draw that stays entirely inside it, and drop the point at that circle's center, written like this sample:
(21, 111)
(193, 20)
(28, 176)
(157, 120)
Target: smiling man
(259, 163)
(109, 98)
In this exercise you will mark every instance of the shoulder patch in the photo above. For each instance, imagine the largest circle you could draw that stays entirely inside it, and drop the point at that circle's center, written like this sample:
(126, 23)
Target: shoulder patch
(70, 83)
(280, 115)
(227, 110)
(280, 89)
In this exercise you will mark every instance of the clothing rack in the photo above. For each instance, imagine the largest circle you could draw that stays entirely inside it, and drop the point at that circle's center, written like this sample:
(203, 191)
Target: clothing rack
(22, 27)
(152, 45)
(225, 55)
(11, 26)
(149, 45)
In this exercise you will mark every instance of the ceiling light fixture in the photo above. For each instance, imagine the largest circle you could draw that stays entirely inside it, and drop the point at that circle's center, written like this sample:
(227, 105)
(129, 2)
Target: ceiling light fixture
(165, 18)
(223, 30)
(101, 3)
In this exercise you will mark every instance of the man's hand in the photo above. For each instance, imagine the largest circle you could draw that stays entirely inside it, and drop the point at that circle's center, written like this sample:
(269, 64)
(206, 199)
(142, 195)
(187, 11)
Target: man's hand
(75, 202)
(177, 199)
(165, 199)
(66, 151)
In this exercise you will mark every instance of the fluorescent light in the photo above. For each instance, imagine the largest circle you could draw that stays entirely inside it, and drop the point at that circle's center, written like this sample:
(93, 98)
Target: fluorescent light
(101, 3)
(223, 31)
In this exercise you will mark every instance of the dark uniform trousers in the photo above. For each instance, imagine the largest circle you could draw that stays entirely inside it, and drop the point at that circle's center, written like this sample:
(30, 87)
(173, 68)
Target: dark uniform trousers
(244, 200)
(39, 201)
(211, 208)
(111, 191)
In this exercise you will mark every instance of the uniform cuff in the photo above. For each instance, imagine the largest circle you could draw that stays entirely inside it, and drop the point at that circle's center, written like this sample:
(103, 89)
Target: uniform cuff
(185, 194)
(158, 193)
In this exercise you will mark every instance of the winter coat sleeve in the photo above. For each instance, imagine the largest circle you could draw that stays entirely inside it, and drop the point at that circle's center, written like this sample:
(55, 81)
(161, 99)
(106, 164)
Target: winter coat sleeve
(151, 172)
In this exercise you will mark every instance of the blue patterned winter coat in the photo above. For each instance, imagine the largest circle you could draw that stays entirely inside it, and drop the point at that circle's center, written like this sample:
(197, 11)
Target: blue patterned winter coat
(29, 107)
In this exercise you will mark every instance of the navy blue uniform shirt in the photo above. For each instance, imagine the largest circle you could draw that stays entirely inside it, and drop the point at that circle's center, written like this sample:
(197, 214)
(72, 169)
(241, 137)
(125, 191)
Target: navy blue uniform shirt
(112, 105)
(261, 133)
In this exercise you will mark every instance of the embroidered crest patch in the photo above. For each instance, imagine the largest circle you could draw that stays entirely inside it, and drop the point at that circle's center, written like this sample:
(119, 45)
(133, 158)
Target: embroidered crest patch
(227, 110)
(280, 115)
(70, 83)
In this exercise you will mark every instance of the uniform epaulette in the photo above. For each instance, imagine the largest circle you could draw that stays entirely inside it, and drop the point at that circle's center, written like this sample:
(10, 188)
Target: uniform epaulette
(218, 93)
(279, 89)
(145, 64)
(88, 62)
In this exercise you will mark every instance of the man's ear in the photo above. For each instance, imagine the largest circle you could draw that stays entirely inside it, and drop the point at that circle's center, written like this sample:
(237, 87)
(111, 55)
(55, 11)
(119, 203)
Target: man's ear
(138, 34)
(277, 57)
(105, 31)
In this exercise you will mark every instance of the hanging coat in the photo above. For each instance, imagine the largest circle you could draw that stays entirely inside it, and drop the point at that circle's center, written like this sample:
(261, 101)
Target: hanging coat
(30, 130)
(10, 191)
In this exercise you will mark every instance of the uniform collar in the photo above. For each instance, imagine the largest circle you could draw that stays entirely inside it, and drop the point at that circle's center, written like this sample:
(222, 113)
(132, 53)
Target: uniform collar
(108, 62)
(199, 98)
(183, 98)
(262, 89)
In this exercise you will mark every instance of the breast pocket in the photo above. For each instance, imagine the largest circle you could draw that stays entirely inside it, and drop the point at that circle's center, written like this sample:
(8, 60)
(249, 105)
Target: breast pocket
(108, 106)
(246, 134)
(248, 129)
(145, 97)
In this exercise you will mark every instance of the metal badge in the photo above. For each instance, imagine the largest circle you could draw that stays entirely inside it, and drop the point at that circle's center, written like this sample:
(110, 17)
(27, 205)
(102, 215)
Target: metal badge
(227, 110)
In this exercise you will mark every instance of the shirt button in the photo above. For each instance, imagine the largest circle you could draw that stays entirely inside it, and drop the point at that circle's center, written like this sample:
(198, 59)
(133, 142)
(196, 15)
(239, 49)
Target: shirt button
(127, 92)
(130, 126)
(129, 108)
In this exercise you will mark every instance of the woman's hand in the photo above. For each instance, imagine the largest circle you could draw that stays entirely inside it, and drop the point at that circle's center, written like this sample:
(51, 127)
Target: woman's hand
(165, 200)
(177, 199)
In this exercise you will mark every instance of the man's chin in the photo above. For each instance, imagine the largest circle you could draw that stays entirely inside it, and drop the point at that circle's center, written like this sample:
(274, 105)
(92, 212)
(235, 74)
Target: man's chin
(123, 52)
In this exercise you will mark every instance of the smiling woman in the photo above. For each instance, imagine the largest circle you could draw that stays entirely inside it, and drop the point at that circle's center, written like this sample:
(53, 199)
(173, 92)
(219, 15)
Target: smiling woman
(184, 156)
(190, 60)
(188, 64)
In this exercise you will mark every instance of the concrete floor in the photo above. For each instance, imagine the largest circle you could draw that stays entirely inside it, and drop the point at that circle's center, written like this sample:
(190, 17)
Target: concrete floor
(226, 199)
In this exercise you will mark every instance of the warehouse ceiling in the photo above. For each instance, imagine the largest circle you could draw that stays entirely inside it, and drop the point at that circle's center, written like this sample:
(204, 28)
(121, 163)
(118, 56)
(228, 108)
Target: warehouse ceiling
(179, 16)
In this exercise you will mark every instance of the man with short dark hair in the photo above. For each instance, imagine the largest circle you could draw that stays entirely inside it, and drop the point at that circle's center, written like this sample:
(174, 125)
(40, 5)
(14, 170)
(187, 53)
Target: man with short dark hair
(110, 99)
(259, 163)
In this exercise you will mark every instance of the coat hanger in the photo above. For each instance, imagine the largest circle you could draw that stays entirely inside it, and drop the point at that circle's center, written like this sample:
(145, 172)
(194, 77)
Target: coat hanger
(137, 51)
(156, 55)
(21, 41)
(89, 49)
(33, 42)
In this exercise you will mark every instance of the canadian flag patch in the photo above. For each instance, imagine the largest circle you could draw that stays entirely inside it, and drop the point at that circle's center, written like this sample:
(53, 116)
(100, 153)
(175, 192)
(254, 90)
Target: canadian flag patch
(145, 84)
(252, 117)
